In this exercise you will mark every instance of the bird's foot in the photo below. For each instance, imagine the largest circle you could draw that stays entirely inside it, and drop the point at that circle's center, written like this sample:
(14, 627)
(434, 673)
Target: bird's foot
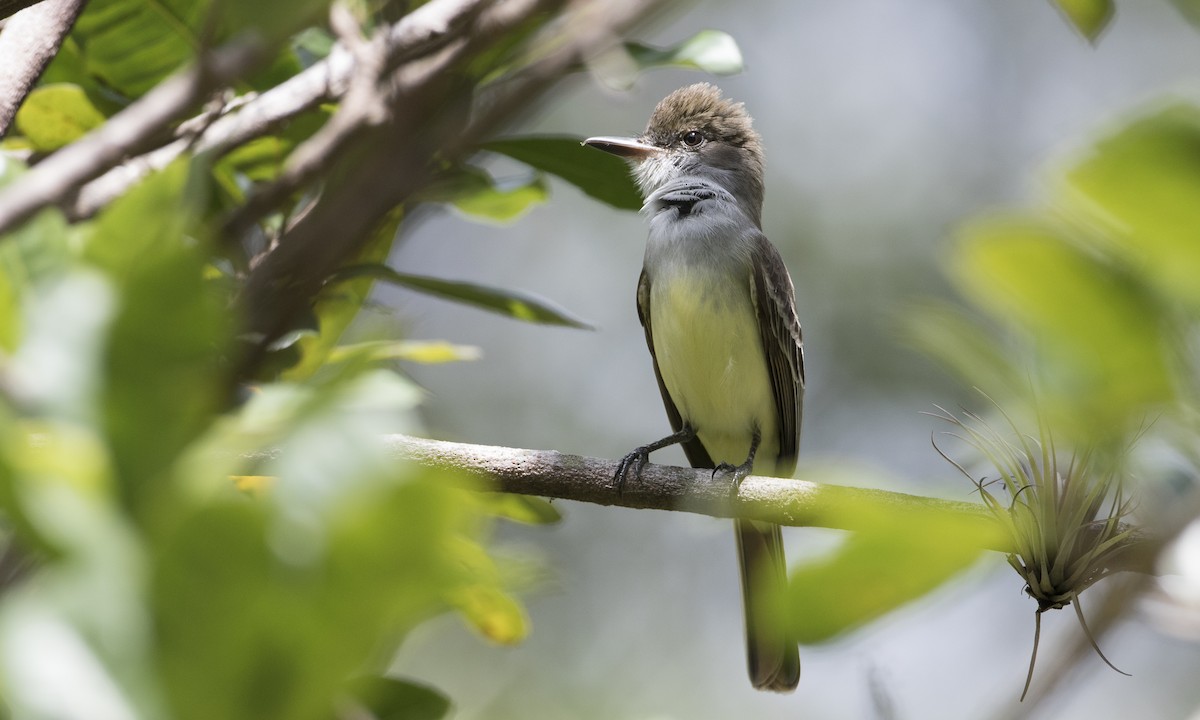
(633, 463)
(736, 474)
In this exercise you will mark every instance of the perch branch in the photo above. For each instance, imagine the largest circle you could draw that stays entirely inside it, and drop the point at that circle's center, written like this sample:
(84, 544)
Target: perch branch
(800, 503)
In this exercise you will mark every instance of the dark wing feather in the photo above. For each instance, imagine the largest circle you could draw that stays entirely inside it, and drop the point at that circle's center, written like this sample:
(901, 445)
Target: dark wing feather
(775, 304)
(773, 656)
(696, 454)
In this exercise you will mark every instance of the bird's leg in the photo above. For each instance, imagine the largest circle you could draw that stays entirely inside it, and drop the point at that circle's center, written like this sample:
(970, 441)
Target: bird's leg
(739, 472)
(637, 459)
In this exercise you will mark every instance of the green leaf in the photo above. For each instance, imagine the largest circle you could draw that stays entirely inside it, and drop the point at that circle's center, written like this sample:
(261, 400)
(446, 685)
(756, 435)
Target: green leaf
(492, 612)
(76, 636)
(711, 51)
(1089, 17)
(338, 303)
(132, 45)
(171, 328)
(1190, 9)
(420, 351)
(37, 249)
(57, 115)
(260, 159)
(502, 206)
(1141, 186)
(313, 43)
(60, 363)
(395, 699)
(512, 303)
(878, 569)
(521, 508)
(600, 175)
(1100, 330)
(949, 334)
(274, 19)
(476, 194)
(294, 603)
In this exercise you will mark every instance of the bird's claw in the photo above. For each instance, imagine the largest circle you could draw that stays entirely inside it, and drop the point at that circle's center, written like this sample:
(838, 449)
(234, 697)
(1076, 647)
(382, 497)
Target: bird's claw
(634, 461)
(737, 473)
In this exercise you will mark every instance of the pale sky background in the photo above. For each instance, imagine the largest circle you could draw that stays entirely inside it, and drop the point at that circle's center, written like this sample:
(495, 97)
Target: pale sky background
(887, 123)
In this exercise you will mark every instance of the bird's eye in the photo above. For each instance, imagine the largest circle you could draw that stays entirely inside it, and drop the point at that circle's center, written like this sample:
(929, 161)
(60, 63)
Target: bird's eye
(693, 138)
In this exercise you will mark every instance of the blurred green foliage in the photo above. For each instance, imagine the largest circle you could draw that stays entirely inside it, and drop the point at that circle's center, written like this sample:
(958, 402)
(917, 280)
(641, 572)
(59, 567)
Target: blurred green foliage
(1089, 17)
(1081, 315)
(1092, 303)
(176, 592)
(1094, 290)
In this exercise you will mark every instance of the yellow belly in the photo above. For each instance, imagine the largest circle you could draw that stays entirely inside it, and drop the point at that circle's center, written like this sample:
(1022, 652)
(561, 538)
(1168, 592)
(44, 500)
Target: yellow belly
(709, 352)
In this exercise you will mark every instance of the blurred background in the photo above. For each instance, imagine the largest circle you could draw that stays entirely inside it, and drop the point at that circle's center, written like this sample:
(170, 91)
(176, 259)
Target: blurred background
(886, 125)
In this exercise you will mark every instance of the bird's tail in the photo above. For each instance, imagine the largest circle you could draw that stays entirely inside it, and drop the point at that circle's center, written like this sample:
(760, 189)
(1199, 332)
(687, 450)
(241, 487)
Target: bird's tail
(773, 655)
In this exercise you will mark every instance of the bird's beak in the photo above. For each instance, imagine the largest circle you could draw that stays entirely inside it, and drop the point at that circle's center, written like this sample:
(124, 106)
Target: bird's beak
(629, 148)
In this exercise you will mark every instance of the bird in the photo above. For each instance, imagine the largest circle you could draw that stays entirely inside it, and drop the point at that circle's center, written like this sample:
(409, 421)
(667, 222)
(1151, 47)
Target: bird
(718, 309)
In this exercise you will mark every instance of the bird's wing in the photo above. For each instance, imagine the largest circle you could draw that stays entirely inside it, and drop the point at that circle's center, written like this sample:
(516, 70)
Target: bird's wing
(696, 454)
(774, 302)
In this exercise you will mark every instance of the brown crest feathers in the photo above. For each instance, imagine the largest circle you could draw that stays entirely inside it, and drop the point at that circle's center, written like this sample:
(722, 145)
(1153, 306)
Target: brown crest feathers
(701, 107)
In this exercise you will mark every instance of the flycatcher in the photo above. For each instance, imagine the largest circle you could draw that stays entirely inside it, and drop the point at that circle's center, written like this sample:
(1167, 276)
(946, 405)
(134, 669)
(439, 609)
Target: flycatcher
(719, 311)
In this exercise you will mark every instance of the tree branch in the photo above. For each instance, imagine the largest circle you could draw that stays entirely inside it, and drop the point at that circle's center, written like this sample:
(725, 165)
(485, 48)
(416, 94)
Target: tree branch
(431, 108)
(425, 30)
(29, 42)
(130, 131)
(797, 503)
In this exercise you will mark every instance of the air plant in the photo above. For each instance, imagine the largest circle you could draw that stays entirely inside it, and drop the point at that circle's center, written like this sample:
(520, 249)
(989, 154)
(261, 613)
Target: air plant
(1062, 511)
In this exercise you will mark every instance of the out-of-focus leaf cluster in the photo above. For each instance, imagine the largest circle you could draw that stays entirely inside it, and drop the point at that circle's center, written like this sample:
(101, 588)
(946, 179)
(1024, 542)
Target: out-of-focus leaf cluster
(1082, 313)
(1094, 309)
(152, 585)
(1094, 292)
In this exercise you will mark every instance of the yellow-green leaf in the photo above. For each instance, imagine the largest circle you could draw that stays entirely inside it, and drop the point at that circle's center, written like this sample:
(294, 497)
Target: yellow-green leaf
(963, 344)
(501, 205)
(1100, 330)
(421, 351)
(57, 115)
(338, 303)
(1190, 9)
(1089, 17)
(495, 614)
(521, 508)
(513, 303)
(1142, 185)
(879, 569)
(394, 699)
(600, 175)
(710, 51)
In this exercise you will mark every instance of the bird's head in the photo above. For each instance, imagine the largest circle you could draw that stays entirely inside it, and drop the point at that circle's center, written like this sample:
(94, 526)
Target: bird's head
(696, 133)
